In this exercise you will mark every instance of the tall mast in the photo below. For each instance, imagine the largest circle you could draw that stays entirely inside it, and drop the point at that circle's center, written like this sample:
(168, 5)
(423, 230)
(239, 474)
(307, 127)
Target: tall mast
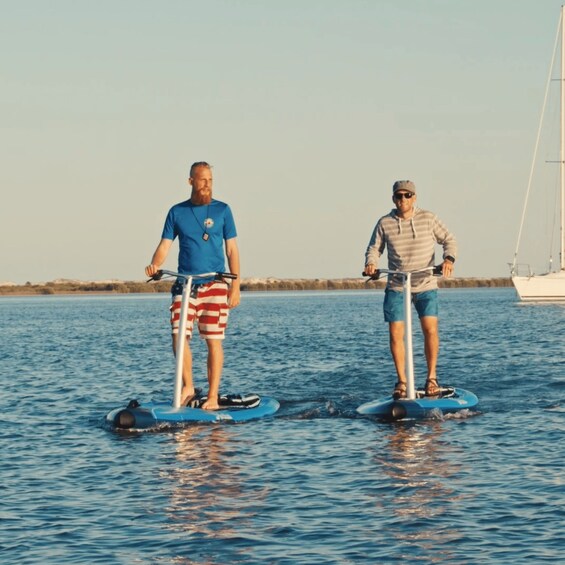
(562, 155)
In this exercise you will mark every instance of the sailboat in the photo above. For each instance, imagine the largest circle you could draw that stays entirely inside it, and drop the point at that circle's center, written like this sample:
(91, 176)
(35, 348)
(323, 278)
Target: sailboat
(549, 286)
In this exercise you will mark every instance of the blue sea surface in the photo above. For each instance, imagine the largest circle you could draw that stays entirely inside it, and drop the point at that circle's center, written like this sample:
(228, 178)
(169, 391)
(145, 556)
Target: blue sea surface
(317, 483)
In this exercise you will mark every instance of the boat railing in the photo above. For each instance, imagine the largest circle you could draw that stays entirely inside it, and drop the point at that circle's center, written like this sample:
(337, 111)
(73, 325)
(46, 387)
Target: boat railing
(521, 270)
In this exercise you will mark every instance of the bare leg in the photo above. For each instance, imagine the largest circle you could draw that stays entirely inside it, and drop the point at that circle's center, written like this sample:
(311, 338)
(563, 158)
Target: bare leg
(188, 385)
(396, 334)
(431, 344)
(215, 365)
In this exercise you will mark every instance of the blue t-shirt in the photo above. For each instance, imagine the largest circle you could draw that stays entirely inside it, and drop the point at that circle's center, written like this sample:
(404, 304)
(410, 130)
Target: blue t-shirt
(201, 231)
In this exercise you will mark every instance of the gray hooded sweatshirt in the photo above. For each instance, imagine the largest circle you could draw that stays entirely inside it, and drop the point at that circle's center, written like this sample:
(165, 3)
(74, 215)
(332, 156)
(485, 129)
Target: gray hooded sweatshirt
(410, 245)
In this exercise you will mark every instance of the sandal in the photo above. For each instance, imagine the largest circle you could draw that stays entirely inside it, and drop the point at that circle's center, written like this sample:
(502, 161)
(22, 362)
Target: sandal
(189, 401)
(399, 390)
(432, 387)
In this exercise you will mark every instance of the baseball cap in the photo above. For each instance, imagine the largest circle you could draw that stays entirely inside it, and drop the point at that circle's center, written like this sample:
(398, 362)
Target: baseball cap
(407, 185)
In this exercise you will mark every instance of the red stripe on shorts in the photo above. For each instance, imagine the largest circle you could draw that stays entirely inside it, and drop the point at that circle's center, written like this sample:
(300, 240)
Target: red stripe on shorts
(210, 309)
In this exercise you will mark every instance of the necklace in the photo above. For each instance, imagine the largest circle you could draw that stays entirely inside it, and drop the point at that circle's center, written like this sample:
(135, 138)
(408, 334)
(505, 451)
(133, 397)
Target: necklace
(205, 234)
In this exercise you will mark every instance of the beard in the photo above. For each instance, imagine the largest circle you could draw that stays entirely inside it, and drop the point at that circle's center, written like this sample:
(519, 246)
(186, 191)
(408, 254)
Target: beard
(201, 198)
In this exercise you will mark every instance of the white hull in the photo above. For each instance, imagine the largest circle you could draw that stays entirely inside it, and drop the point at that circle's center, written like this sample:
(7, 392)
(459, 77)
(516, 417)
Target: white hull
(537, 288)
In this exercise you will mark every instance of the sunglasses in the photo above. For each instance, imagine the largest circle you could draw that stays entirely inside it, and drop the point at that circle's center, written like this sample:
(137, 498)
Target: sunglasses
(400, 195)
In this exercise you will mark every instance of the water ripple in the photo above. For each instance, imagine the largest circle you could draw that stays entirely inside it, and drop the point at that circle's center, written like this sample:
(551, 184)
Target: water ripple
(315, 484)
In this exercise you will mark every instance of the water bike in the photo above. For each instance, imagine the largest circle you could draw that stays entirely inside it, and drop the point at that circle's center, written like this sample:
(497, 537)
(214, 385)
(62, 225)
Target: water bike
(416, 405)
(233, 407)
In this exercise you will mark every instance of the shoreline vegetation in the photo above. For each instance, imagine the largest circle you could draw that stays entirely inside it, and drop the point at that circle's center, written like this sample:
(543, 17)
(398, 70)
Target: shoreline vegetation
(66, 286)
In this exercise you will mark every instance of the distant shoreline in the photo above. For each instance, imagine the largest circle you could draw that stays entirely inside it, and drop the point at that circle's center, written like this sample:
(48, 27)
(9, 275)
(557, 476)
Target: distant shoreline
(65, 286)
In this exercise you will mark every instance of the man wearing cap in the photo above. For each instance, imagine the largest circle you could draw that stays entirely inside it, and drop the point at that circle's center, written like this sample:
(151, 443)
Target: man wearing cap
(409, 235)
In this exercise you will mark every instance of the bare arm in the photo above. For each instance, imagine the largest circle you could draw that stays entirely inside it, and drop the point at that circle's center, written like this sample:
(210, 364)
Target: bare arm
(232, 253)
(158, 257)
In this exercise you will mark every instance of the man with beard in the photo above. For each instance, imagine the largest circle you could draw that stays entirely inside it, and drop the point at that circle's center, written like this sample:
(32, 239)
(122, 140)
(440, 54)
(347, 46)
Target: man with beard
(410, 235)
(204, 227)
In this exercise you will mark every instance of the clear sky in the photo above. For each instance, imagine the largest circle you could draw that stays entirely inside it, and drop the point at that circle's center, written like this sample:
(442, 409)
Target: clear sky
(307, 109)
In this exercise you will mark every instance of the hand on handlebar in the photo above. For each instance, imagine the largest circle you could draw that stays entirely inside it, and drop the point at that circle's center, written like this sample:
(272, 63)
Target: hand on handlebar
(372, 272)
(156, 276)
(445, 269)
(369, 270)
(151, 270)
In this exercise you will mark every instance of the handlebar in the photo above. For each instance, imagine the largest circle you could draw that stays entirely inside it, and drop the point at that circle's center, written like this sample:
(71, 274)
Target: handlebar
(165, 273)
(436, 270)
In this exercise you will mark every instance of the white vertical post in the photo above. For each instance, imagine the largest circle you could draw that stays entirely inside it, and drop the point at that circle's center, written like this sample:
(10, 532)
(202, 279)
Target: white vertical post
(181, 341)
(409, 362)
(562, 156)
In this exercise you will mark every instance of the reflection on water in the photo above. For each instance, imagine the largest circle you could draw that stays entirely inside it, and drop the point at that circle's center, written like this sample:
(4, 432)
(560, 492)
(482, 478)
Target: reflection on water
(413, 458)
(412, 461)
(211, 492)
(203, 479)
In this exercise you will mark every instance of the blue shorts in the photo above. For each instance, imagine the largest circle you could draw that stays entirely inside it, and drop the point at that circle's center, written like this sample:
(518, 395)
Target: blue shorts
(425, 303)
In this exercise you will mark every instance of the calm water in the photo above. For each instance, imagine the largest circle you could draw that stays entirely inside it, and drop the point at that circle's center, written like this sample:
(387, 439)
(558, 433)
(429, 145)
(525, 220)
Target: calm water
(316, 484)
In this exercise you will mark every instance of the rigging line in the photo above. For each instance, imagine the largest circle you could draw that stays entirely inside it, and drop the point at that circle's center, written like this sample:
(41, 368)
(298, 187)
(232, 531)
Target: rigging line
(559, 28)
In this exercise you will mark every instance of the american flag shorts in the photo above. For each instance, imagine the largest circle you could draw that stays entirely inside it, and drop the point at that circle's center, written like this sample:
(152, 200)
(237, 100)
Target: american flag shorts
(208, 305)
